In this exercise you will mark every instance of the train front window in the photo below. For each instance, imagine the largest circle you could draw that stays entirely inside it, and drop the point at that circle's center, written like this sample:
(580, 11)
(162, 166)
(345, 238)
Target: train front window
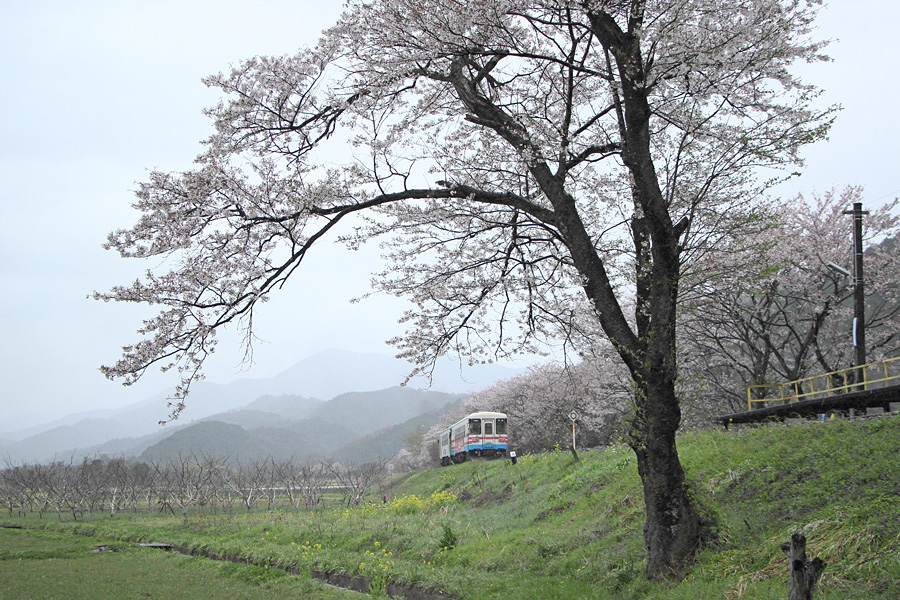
(474, 426)
(501, 426)
(488, 428)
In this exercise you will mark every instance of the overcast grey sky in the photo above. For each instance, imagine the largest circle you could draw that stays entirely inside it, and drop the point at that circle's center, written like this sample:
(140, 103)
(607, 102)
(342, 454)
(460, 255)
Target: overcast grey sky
(94, 93)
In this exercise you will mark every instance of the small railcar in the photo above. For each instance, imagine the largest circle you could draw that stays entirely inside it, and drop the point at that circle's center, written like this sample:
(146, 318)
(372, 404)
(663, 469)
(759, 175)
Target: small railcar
(478, 434)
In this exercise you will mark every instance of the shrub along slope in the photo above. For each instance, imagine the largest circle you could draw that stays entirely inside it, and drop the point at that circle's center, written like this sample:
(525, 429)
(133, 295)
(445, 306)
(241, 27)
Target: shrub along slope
(549, 527)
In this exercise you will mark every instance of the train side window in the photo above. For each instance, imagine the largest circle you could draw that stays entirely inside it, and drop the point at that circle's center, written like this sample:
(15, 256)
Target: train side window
(475, 426)
(501, 426)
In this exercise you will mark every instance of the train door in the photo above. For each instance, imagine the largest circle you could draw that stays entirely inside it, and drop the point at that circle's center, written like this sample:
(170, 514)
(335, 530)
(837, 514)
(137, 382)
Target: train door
(488, 437)
(476, 437)
(458, 442)
(500, 431)
(445, 448)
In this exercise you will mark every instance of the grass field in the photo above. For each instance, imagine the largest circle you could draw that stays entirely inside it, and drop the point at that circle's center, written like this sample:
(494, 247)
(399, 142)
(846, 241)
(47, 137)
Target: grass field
(38, 565)
(550, 528)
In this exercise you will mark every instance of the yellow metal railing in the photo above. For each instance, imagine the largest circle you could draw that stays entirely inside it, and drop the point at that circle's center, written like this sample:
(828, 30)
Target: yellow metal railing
(866, 377)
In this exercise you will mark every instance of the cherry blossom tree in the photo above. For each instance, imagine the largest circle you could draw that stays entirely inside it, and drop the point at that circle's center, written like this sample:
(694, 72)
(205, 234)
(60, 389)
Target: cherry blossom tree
(522, 161)
(538, 404)
(775, 311)
(420, 449)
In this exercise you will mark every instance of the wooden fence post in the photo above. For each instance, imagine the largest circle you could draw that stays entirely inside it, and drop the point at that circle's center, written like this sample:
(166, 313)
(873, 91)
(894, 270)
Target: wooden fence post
(804, 572)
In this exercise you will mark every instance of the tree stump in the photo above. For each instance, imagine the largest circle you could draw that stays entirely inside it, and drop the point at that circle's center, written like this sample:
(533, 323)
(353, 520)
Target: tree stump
(804, 572)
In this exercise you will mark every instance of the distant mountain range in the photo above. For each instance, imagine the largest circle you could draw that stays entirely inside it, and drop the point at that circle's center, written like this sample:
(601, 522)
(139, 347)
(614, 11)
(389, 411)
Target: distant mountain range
(358, 426)
(285, 415)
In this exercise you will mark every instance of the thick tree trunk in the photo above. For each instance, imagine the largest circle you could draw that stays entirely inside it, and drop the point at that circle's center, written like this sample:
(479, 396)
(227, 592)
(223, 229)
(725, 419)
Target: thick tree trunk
(674, 525)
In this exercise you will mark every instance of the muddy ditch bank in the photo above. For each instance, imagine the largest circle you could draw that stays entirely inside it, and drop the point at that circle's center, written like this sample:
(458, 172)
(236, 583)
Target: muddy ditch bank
(341, 580)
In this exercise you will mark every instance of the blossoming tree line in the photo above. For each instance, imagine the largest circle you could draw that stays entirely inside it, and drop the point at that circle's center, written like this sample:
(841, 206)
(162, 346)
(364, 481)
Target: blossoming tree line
(768, 307)
(780, 308)
(535, 170)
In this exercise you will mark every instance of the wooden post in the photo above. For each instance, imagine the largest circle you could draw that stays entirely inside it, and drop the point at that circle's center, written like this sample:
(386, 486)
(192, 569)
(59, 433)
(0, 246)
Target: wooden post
(804, 572)
(574, 454)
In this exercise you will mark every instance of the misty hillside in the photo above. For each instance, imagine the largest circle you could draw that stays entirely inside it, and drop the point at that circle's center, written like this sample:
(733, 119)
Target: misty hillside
(317, 439)
(358, 426)
(128, 447)
(49, 444)
(248, 419)
(297, 393)
(366, 412)
(285, 405)
(209, 438)
(389, 441)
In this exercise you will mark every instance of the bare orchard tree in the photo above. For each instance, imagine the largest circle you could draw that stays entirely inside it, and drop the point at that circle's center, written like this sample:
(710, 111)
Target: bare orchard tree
(521, 160)
(58, 481)
(208, 479)
(313, 477)
(356, 480)
(91, 483)
(267, 476)
(140, 485)
(285, 472)
(303, 482)
(246, 481)
(41, 494)
(18, 489)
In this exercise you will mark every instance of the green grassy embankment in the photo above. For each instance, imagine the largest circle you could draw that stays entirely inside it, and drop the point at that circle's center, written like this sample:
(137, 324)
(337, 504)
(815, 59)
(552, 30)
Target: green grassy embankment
(552, 528)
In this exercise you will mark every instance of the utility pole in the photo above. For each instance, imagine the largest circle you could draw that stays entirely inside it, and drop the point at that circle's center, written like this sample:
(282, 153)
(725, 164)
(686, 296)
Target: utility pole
(859, 293)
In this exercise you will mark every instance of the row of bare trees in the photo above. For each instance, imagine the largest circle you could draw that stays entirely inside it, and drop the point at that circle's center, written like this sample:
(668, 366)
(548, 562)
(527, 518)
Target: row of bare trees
(186, 484)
